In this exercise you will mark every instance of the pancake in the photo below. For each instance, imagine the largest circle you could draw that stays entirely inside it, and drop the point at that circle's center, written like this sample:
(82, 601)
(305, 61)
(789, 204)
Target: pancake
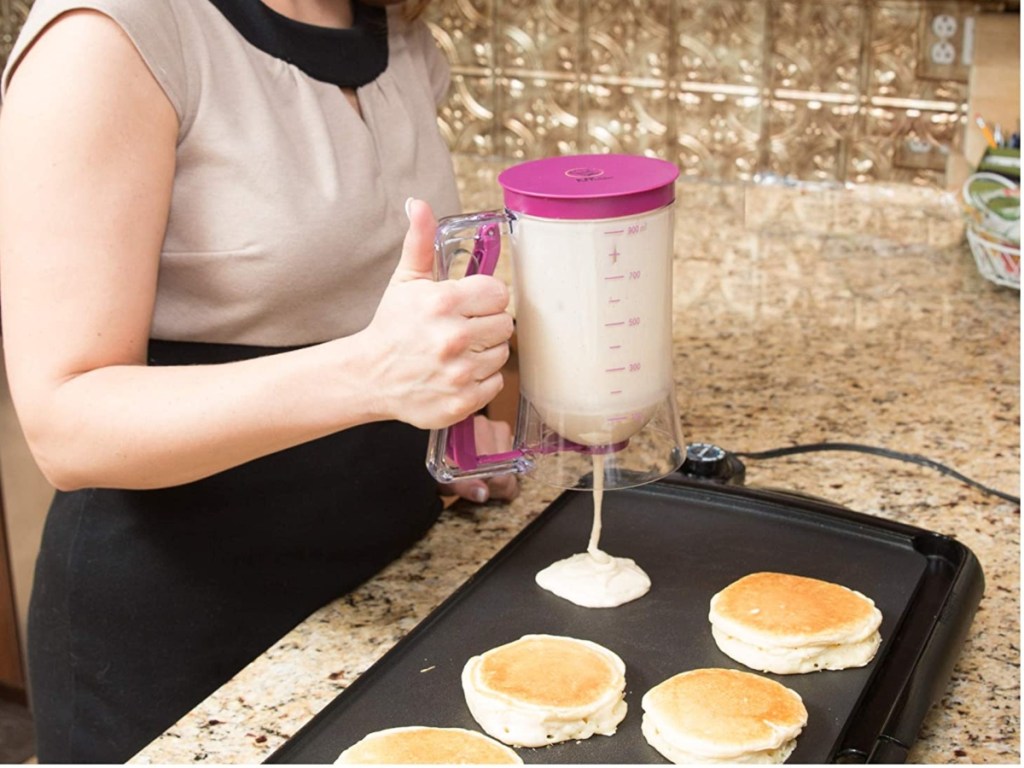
(543, 689)
(595, 579)
(722, 716)
(421, 745)
(786, 624)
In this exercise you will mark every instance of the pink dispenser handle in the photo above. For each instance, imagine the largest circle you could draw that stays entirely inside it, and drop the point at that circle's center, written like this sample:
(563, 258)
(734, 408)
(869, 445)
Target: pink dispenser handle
(486, 250)
(453, 453)
(461, 447)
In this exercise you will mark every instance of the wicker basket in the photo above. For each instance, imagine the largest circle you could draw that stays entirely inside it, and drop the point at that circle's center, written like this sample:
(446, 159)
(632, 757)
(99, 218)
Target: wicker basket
(997, 260)
(992, 212)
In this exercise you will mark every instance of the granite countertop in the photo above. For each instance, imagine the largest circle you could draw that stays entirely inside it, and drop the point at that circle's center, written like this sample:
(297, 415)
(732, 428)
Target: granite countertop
(803, 314)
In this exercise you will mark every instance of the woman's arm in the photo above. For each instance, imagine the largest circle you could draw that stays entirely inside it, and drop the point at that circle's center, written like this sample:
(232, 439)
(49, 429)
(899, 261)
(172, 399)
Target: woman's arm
(87, 143)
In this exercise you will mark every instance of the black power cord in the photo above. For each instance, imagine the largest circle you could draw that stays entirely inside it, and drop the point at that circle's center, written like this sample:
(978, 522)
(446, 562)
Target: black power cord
(875, 451)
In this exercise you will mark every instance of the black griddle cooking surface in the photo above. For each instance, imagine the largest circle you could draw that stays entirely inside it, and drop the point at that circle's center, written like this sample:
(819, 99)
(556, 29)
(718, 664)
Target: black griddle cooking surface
(693, 539)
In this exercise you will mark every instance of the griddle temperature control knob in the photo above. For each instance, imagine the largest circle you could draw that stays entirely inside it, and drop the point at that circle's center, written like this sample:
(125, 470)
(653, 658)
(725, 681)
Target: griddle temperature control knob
(706, 461)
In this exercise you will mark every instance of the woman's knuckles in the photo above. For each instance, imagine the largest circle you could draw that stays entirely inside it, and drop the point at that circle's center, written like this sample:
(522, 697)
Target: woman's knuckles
(486, 290)
(457, 342)
(441, 302)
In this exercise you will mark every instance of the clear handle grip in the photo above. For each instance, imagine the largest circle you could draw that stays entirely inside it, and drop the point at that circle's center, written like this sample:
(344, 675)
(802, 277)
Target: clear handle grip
(452, 452)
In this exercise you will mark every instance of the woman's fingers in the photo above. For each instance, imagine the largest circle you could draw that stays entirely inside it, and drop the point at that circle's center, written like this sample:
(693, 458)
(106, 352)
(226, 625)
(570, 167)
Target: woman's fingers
(490, 331)
(491, 437)
(479, 295)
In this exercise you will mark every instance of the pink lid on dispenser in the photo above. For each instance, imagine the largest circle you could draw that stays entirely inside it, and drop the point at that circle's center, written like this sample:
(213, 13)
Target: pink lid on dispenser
(589, 186)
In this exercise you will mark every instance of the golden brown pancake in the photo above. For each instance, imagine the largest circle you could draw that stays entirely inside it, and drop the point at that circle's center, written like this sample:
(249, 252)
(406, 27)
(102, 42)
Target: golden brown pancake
(543, 689)
(548, 672)
(782, 623)
(421, 745)
(782, 606)
(710, 715)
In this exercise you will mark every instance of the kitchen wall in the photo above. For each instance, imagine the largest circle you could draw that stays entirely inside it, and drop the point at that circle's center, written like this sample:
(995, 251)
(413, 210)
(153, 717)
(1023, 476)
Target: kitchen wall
(838, 90)
(830, 90)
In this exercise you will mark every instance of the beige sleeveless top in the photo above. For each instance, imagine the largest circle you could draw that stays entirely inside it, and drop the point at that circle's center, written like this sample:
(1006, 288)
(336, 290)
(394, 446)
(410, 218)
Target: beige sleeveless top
(287, 214)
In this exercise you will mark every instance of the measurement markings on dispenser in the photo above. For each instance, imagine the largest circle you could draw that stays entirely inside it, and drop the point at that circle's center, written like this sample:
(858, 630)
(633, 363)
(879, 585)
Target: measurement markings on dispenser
(623, 311)
(616, 369)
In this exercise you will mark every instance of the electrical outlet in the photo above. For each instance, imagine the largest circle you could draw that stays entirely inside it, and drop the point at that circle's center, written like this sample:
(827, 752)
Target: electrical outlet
(944, 26)
(913, 151)
(945, 41)
(916, 146)
(943, 53)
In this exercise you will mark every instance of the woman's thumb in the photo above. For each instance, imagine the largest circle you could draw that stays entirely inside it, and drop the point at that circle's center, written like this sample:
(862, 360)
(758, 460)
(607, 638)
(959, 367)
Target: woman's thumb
(417, 260)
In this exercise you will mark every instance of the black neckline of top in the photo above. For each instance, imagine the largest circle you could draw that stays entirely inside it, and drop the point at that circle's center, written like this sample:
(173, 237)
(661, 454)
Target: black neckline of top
(348, 58)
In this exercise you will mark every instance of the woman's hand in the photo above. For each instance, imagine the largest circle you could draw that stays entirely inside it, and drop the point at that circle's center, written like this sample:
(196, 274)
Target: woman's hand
(491, 437)
(438, 347)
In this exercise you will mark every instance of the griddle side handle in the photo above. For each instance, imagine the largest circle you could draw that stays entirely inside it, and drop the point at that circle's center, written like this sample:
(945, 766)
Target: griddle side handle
(951, 626)
(923, 652)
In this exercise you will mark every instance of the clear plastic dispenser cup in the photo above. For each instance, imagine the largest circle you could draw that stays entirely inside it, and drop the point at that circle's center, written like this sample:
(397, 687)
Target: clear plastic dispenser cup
(591, 241)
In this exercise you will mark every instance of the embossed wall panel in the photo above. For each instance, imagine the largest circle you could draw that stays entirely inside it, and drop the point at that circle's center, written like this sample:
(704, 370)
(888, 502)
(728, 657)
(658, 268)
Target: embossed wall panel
(467, 118)
(628, 39)
(837, 90)
(538, 63)
(718, 135)
(809, 139)
(894, 60)
(627, 118)
(815, 47)
(539, 117)
(718, 71)
(540, 36)
(816, 80)
(464, 29)
(625, 92)
(720, 41)
(913, 120)
(875, 156)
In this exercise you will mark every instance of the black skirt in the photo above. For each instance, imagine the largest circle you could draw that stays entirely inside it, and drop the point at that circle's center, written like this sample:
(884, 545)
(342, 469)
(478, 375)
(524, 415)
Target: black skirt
(145, 602)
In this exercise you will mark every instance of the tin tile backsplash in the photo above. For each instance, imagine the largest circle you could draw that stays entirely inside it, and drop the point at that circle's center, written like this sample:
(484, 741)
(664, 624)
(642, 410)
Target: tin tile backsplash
(828, 90)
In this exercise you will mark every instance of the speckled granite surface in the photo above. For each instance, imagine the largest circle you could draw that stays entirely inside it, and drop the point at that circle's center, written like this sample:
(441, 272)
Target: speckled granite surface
(802, 315)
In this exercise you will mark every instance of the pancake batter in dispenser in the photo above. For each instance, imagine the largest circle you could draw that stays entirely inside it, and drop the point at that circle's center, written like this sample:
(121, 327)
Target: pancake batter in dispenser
(597, 356)
(591, 239)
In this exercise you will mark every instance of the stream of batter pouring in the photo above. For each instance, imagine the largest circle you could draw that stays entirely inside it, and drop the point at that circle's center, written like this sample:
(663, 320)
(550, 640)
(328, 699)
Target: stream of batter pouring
(595, 529)
(595, 579)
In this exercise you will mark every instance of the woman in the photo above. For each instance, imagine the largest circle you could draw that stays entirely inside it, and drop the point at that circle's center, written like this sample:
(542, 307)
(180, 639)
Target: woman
(221, 335)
